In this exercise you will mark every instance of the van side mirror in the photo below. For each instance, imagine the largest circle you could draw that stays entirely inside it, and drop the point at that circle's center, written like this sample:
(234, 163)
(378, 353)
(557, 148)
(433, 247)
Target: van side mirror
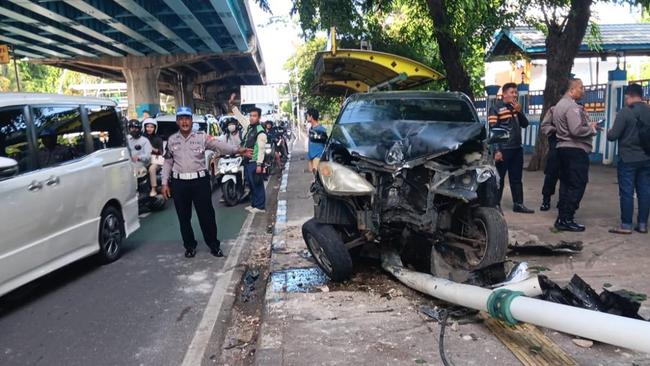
(498, 136)
(8, 168)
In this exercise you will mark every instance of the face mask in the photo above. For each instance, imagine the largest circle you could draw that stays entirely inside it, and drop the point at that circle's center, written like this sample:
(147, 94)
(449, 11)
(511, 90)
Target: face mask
(232, 128)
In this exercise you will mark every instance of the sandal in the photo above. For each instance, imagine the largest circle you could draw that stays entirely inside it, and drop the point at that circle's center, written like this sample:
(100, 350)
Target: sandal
(620, 231)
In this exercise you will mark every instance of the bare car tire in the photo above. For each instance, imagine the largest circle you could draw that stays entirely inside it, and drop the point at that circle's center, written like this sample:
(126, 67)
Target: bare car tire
(327, 248)
(496, 231)
(111, 235)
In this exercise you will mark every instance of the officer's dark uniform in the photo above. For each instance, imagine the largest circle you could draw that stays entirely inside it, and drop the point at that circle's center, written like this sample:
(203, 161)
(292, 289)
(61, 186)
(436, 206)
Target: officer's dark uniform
(189, 181)
(504, 116)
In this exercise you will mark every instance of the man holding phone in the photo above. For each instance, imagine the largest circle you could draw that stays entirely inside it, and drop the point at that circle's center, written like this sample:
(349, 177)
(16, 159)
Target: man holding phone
(509, 157)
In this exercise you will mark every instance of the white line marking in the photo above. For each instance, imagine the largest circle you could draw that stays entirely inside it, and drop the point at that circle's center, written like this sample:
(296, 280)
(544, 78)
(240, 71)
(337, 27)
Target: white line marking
(196, 350)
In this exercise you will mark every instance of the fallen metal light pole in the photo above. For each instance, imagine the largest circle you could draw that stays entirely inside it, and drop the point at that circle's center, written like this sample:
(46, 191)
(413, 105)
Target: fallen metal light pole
(607, 328)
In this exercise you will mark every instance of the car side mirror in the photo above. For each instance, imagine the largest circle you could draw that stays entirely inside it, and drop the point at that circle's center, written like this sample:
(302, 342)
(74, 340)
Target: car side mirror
(8, 168)
(498, 136)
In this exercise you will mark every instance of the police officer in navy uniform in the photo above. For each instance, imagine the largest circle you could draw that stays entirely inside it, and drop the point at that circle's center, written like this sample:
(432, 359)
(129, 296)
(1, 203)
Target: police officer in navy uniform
(185, 176)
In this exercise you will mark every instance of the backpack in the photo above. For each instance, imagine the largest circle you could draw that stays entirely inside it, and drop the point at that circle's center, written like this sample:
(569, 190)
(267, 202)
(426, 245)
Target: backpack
(643, 128)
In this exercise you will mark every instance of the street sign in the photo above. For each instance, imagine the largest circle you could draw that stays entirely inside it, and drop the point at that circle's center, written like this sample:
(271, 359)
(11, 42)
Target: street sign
(4, 54)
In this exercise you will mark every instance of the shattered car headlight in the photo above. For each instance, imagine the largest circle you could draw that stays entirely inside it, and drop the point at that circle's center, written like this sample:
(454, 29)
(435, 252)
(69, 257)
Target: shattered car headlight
(484, 174)
(395, 154)
(340, 180)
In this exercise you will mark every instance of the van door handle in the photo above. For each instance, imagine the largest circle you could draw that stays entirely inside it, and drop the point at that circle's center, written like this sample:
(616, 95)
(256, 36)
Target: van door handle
(35, 186)
(52, 181)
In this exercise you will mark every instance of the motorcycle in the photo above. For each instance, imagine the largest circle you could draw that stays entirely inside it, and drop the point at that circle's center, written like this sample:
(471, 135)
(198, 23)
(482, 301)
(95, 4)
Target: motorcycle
(411, 171)
(231, 172)
(146, 203)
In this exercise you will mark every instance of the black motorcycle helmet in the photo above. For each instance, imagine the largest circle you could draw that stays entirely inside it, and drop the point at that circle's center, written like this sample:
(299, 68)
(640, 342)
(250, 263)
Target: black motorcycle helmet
(135, 128)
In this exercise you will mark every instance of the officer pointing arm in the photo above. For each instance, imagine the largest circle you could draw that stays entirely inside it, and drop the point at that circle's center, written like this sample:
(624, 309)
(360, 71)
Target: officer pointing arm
(185, 170)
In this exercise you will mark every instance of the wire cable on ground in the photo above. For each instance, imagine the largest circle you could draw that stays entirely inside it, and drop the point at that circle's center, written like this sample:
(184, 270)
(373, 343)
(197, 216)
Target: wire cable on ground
(441, 339)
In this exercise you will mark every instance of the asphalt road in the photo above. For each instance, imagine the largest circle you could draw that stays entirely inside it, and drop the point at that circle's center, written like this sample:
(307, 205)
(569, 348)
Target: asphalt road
(141, 310)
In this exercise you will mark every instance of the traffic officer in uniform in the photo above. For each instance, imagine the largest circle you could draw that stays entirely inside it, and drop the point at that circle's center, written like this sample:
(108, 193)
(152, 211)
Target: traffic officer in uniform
(184, 176)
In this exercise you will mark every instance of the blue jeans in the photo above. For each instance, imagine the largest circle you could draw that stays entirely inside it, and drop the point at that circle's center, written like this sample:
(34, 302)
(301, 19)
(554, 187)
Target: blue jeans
(631, 177)
(256, 182)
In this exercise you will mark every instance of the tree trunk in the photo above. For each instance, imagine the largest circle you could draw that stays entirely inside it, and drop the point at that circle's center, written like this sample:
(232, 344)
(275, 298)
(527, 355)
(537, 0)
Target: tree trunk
(562, 46)
(457, 77)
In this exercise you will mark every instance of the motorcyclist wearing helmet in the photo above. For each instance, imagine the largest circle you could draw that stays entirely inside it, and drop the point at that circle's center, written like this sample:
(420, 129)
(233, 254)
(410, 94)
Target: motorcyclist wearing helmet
(157, 160)
(232, 133)
(52, 153)
(139, 145)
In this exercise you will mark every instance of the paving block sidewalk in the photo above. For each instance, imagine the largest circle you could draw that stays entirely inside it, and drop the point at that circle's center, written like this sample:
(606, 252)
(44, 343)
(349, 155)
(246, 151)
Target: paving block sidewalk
(374, 320)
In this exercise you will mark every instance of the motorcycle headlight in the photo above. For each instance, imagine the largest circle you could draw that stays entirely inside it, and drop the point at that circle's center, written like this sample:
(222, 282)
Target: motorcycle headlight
(340, 180)
(483, 174)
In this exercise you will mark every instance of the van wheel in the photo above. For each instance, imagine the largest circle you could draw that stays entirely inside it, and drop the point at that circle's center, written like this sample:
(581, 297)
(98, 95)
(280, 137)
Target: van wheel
(327, 248)
(111, 235)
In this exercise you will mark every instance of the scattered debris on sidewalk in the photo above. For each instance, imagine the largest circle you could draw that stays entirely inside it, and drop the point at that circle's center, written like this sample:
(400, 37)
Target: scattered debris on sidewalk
(533, 248)
(251, 276)
(522, 242)
(579, 294)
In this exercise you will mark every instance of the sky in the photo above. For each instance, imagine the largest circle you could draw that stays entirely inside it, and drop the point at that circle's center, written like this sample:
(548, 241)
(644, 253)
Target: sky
(279, 40)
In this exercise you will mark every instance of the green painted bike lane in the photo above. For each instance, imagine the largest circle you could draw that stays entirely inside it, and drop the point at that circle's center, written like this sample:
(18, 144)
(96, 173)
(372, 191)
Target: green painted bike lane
(163, 226)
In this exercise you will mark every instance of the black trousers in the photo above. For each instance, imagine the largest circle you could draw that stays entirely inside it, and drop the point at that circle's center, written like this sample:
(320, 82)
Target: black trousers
(513, 165)
(574, 176)
(199, 193)
(552, 170)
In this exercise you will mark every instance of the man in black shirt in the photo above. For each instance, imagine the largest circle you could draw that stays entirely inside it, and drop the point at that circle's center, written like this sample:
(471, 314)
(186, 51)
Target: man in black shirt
(509, 157)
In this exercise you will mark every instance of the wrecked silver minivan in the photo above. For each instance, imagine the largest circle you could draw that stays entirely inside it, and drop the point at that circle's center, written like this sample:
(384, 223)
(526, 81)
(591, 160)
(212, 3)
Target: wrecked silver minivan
(410, 170)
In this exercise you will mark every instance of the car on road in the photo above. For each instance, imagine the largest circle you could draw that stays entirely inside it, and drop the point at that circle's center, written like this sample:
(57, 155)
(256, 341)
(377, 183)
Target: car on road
(67, 185)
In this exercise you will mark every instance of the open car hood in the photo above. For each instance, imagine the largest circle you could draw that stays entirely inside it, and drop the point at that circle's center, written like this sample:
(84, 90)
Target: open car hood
(416, 139)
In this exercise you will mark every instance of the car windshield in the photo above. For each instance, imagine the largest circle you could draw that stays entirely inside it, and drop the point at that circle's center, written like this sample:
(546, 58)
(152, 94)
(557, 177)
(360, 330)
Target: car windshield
(411, 109)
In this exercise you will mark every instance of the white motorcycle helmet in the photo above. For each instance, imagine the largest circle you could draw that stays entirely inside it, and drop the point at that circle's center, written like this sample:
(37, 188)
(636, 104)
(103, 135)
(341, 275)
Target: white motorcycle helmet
(150, 121)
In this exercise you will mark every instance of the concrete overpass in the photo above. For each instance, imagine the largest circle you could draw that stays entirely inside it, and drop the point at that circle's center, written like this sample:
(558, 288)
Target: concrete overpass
(200, 51)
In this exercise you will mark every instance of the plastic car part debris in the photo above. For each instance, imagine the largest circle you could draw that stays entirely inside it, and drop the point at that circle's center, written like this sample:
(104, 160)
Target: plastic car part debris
(536, 248)
(578, 293)
(518, 273)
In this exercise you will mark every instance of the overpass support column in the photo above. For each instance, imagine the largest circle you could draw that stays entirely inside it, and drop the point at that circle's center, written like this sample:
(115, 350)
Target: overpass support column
(184, 91)
(142, 90)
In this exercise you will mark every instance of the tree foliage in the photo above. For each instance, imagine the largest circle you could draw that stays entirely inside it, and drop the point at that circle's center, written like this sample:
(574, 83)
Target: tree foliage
(565, 23)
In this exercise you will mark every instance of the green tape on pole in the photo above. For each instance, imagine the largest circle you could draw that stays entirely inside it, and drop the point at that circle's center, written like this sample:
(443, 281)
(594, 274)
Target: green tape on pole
(498, 305)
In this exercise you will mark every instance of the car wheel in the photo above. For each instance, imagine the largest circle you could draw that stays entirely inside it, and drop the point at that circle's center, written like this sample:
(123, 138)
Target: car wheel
(327, 248)
(111, 235)
(490, 228)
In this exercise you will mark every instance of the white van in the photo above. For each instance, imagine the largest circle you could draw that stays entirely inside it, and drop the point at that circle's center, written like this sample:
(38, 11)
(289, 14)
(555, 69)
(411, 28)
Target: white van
(67, 186)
